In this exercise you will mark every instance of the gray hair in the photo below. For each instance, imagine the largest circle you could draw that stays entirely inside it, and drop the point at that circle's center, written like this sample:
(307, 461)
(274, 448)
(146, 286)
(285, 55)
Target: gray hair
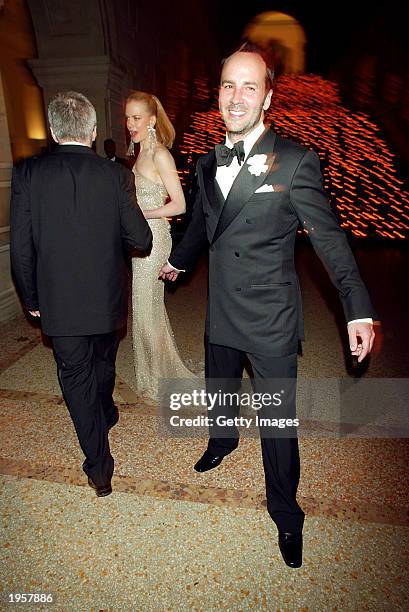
(72, 117)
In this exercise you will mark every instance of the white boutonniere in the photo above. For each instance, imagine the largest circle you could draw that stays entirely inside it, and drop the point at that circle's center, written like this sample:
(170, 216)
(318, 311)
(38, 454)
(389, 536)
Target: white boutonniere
(257, 164)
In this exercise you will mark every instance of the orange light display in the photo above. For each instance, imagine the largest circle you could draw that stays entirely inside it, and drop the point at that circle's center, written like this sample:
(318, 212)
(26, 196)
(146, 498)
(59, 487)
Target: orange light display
(358, 166)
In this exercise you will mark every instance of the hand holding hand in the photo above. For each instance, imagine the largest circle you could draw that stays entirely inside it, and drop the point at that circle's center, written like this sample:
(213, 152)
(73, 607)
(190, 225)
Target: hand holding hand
(168, 273)
(361, 338)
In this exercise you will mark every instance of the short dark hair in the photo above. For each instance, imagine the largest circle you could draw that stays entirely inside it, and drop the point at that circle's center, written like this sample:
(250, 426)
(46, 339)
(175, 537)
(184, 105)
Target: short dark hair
(109, 141)
(249, 47)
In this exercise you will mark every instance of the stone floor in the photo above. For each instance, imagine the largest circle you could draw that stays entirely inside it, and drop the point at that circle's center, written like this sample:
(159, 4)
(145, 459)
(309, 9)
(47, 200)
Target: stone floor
(171, 539)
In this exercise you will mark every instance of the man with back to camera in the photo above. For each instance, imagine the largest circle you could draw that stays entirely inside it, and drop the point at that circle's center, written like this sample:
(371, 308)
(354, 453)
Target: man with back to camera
(72, 213)
(254, 191)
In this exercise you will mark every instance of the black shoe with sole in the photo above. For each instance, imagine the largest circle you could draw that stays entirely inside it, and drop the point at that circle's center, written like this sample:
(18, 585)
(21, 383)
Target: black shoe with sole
(101, 491)
(291, 548)
(208, 462)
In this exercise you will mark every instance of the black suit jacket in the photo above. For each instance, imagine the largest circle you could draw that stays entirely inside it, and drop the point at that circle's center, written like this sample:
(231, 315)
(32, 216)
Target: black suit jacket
(72, 212)
(254, 296)
(122, 161)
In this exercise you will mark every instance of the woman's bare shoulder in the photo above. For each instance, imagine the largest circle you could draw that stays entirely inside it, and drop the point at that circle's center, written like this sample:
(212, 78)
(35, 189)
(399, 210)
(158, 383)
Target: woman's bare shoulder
(162, 157)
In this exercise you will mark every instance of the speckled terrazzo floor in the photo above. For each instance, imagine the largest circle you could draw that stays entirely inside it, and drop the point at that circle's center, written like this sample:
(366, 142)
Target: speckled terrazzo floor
(171, 539)
(132, 552)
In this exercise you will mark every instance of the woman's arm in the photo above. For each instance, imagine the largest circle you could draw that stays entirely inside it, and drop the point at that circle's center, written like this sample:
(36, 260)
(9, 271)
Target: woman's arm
(166, 169)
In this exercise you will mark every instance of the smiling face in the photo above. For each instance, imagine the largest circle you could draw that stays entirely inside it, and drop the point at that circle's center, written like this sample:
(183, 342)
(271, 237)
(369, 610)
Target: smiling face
(242, 95)
(138, 119)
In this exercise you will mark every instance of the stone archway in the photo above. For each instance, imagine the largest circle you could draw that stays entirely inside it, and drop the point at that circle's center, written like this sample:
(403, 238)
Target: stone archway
(281, 34)
(74, 52)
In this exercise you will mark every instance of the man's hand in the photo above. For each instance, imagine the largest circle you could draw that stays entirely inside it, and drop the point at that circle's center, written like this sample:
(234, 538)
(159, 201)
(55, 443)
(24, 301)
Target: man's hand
(34, 313)
(168, 273)
(361, 337)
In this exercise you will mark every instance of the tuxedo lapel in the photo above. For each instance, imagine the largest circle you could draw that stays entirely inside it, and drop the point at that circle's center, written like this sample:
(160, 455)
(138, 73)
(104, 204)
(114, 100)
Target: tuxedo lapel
(246, 183)
(211, 187)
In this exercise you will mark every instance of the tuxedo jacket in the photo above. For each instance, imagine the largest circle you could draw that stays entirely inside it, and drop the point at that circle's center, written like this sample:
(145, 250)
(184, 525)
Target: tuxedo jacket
(254, 299)
(122, 161)
(72, 213)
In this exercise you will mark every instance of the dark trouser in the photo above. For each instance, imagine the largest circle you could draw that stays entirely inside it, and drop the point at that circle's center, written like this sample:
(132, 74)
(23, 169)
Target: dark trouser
(86, 372)
(280, 454)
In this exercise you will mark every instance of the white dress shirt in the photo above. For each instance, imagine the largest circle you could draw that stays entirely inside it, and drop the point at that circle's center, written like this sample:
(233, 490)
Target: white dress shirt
(226, 175)
(74, 142)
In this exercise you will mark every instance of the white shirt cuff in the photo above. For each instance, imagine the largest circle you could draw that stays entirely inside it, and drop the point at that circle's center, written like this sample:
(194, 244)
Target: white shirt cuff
(173, 267)
(368, 320)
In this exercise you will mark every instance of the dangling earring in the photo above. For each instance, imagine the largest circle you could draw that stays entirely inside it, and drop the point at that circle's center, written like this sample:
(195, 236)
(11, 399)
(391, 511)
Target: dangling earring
(131, 149)
(152, 139)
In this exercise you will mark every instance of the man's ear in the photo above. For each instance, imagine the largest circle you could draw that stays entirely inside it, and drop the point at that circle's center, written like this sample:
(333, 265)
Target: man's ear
(267, 100)
(53, 135)
(94, 133)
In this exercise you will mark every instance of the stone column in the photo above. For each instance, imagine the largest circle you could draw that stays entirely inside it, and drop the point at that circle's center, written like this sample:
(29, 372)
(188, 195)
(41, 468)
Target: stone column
(9, 303)
(96, 77)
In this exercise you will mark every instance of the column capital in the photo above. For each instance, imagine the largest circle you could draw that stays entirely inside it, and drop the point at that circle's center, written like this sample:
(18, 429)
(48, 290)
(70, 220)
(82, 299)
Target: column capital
(78, 73)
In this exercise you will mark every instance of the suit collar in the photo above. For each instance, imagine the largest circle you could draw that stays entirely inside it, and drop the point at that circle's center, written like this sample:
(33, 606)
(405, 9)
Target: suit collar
(74, 148)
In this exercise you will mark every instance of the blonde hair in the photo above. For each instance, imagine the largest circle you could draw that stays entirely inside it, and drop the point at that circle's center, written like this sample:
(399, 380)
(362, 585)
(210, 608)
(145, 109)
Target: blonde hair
(165, 132)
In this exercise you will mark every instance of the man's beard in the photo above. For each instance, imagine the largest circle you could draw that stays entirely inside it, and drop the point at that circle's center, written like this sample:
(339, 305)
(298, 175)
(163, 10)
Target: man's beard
(245, 129)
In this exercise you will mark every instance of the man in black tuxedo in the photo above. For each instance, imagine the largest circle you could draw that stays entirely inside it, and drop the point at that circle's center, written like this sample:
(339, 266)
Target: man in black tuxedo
(72, 214)
(110, 152)
(254, 191)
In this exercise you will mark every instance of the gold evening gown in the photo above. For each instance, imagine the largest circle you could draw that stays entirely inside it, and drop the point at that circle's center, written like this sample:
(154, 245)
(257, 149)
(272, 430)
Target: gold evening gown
(155, 352)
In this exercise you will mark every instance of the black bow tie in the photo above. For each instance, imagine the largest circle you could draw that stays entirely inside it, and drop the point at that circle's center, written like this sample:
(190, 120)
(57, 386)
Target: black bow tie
(225, 155)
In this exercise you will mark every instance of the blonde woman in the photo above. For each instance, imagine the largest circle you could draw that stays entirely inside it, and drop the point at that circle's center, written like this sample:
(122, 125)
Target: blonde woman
(160, 195)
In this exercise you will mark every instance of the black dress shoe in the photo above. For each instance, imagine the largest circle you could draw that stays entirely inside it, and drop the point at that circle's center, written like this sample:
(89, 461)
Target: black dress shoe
(208, 462)
(101, 491)
(291, 548)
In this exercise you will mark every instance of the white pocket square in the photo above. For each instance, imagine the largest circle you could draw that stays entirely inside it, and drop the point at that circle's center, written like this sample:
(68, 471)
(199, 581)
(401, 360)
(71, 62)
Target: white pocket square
(265, 189)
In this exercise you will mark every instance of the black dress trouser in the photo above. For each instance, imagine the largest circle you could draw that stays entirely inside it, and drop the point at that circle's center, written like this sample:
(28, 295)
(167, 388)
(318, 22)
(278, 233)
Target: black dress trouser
(86, 372)
(224, 370)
